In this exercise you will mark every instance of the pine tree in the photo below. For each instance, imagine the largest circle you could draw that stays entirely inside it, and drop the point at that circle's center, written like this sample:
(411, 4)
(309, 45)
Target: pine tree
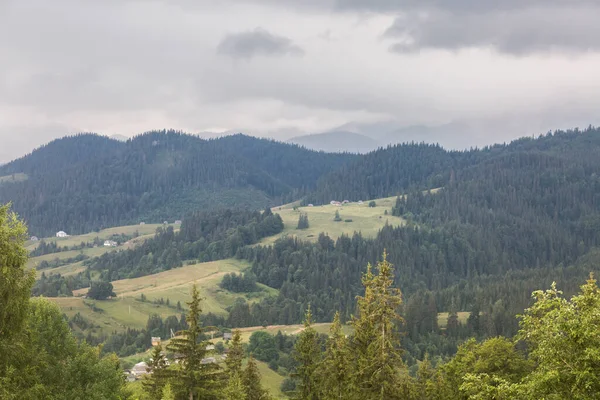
(235, 388)
(335, 369)
(235, 355)
(195, 378)
(303, 221)
(251, 382)
(154, 383)
(378, 363)
(337, 217)
(167, 393)
(307, 354)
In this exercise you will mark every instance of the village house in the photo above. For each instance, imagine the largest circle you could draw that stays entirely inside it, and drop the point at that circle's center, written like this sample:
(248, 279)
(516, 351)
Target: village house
(311, 205)
(142, 223)
(155, 341)
(34, 239)
(61, 234)
(110, 243)
(178, 222)
(139, 369)
(227, 336)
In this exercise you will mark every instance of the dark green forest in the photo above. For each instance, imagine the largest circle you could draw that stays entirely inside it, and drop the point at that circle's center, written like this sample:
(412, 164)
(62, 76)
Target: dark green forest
(86, 182)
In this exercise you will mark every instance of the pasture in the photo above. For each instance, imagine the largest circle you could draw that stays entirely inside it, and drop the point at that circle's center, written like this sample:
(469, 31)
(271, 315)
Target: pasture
(18, 177)
(365, 219)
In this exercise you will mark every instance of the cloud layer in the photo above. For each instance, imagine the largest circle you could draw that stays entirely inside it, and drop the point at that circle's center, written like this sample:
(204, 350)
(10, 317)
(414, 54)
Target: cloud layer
(281, 68)
(257, 42)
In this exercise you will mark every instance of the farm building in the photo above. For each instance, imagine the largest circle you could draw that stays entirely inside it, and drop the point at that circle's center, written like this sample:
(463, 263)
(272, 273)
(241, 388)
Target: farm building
(142, 223)
(139, 369)
(345, 201)
(310, 205)
(209, 360)
(227, 336)
(155, 341)
(34, 239)
(178, 222)
(110, 243)
(61, 234)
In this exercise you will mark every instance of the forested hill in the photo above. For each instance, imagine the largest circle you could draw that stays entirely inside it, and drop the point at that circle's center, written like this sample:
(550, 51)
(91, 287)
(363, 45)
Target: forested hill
(402, 168)
(85, 182)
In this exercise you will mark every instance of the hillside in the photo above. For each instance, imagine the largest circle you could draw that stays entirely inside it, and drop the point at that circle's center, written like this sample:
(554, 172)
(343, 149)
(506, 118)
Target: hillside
(337, 142)
(85, 182)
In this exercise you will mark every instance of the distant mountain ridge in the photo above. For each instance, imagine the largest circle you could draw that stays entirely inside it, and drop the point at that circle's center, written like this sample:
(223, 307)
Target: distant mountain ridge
(85, 182)
(337, 141)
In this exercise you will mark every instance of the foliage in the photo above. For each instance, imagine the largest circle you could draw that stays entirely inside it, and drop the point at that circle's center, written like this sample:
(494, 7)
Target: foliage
(154, 383)
(194, 378)
(262, 346)
(235, 355)
(307, 355)
(372, 203)
(303, 221)
(100, 290)
(375, 344)
(239, 283)
(337, 217)
(15, 280)
(52, 365)
(251, 381)
(335, 369)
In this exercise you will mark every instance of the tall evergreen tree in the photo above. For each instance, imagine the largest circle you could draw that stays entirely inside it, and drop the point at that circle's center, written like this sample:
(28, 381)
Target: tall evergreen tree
(196, 379)
(251, 381)
(335, 369)
(235, 388)
(157, 376)
(378, 366)
(307, 354)
(235, 355)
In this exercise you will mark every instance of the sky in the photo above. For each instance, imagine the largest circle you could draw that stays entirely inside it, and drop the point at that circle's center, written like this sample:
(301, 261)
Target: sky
(282, 68)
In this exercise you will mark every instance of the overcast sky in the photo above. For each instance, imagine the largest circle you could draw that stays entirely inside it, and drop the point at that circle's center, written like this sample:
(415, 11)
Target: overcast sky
(283, 67)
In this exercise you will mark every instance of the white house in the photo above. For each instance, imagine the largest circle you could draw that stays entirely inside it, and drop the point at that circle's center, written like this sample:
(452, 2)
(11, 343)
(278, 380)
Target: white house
(139, 369)
(142, 223)
(34, 239)
(110, 243)
(61, 234)
(311, 205)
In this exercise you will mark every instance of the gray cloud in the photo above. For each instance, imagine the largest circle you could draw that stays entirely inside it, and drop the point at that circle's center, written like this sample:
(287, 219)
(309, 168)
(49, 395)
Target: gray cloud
(258, 42)
(517, 32)
(454, 6)
(128, 66)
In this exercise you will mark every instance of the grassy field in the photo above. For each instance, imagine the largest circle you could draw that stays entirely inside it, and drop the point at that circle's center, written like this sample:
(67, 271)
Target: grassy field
(365, 219)
(443, 318)
(176, 284)
(18, 177)
(127, 311)
(142, 230)
(33, 262)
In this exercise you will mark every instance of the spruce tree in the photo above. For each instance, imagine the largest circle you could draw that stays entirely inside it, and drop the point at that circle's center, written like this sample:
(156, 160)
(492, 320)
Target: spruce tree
(197, 380)
(235, 355)
(235, 388)
(378, 363)
(303, 221)
(307, 354)
(251, 382)
(335, 369)
(154, 383)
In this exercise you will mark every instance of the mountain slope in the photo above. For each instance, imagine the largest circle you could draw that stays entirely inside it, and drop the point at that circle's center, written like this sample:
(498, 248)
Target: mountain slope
(86, 182)
(337, 141)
